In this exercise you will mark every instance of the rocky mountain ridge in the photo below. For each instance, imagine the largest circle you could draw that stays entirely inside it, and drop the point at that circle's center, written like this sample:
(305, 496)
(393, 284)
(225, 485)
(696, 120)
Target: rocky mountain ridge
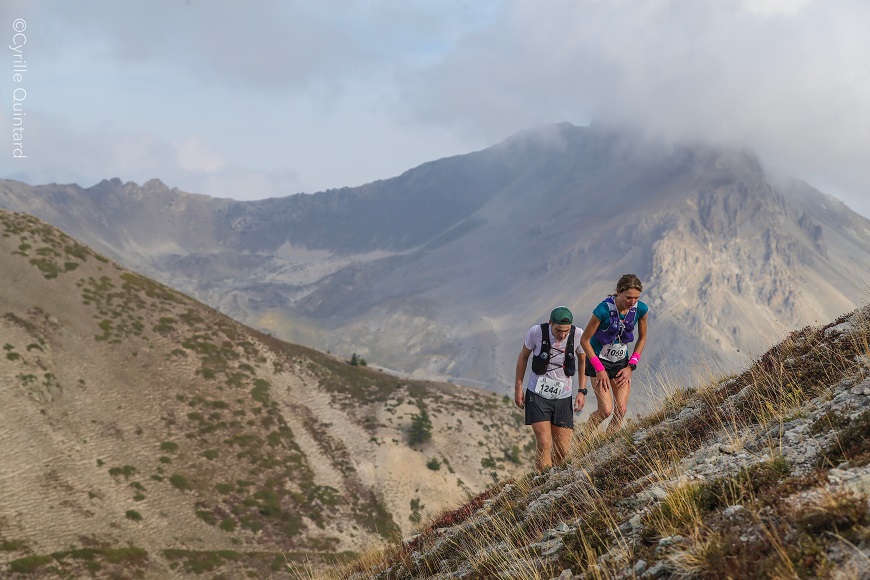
(439, 272)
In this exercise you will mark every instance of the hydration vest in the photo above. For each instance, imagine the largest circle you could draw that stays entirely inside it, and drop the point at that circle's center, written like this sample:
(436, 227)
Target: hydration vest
(619, 330)
(541, 362)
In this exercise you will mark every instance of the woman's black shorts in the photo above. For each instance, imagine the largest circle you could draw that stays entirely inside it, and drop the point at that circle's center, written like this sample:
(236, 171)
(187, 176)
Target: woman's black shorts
(559, 412)
(611, 367)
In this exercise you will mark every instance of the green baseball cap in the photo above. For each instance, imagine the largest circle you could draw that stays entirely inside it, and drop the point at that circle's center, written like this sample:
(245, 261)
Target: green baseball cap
(561, 315)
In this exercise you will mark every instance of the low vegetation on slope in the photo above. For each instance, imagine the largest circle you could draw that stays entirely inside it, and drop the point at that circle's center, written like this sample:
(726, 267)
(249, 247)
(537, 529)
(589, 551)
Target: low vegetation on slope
(146, 434)
(765, 474)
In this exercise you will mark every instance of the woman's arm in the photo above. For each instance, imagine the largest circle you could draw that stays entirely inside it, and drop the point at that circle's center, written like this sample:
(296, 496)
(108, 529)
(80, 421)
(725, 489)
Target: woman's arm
(602, 381)
(580, 401)
(624, 375)
(586, 337)
(641, 336)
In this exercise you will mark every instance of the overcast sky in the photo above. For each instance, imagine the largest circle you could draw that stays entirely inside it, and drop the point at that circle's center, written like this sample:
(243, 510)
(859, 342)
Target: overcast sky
(269, 98)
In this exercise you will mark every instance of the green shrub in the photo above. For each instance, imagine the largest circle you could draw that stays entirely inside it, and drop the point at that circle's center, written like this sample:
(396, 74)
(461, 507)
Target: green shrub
(126, 471)
(29, 564)
(433, 464)
(13, 545)
(179, 482)
(260, 392)
(48, 268)
(513, 455)
(134, 515)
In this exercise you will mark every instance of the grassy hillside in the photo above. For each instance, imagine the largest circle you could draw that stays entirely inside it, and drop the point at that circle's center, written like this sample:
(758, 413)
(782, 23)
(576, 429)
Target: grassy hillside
(765, 474)
(147, 435)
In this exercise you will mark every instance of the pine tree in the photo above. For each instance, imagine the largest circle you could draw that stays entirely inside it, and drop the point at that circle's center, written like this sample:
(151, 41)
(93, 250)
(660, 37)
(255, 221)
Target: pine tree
(421, 427)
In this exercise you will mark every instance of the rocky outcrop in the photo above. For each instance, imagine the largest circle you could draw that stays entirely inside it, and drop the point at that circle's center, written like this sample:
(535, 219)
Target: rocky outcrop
(757, 474)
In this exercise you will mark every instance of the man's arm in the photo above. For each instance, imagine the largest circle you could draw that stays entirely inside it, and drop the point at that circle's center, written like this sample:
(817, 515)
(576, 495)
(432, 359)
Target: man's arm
(519, 391)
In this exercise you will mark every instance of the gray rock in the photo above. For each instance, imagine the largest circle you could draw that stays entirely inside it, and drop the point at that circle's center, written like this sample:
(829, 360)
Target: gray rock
(552, 548)
(659, 569)
(688, 413)
(671, 540)
(729, 448)
(640, 566)
(731, 510)
(840, 328)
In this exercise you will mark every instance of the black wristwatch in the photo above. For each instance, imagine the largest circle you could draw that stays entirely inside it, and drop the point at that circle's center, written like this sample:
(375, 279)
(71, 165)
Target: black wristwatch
(632, 367)
(583, 391)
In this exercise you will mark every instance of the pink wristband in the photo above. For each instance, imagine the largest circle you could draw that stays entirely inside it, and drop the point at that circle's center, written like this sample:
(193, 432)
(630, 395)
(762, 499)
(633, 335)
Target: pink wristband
(635, 358)
(596, 364)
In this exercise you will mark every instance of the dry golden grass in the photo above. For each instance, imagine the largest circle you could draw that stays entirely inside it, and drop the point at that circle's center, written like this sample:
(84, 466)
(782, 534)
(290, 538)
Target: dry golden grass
(608, 475)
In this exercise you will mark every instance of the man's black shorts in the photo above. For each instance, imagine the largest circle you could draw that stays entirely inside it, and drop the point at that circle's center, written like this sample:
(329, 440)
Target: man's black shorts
(611, 367)
(559, 412)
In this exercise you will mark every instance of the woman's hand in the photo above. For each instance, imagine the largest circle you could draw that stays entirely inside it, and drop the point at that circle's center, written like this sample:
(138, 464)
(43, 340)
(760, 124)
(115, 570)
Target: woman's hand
(603, 381)
(623, 377)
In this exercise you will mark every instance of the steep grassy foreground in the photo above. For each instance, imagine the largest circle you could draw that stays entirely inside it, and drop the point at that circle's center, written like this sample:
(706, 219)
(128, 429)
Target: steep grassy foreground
(147, 435)
(761, 475)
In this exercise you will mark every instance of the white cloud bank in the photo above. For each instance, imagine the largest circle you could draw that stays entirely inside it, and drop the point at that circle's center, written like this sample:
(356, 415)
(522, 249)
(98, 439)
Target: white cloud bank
(308, 95)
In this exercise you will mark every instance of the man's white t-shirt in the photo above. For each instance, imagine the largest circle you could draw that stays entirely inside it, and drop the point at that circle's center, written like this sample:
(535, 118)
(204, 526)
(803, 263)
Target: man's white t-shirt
(557, 357)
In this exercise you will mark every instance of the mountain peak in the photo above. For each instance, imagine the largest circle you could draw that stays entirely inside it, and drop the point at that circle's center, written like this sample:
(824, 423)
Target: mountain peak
(155, 184)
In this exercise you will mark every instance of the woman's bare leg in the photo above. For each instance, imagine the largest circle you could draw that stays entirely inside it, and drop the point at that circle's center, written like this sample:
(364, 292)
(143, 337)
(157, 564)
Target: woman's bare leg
(605, 405)
(620, 394)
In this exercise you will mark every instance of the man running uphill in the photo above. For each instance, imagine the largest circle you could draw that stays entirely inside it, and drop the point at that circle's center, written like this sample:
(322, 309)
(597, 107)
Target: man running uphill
(546, 397)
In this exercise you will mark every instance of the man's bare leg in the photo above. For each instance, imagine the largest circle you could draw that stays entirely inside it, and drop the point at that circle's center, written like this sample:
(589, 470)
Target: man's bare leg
(544, 445)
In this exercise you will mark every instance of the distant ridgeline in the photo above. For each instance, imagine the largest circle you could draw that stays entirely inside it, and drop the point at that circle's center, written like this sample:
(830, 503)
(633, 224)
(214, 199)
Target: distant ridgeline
(441, 270)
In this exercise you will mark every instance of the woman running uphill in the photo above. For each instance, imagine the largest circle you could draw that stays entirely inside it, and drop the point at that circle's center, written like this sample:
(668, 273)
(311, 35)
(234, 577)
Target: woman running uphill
(605, 342)
(546, 397)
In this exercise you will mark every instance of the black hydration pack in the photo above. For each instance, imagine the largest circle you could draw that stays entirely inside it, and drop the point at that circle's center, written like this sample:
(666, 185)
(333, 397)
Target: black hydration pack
(541, 362)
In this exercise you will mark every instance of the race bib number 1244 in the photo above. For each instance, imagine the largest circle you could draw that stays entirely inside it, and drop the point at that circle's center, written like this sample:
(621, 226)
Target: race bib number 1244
(549, 388)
